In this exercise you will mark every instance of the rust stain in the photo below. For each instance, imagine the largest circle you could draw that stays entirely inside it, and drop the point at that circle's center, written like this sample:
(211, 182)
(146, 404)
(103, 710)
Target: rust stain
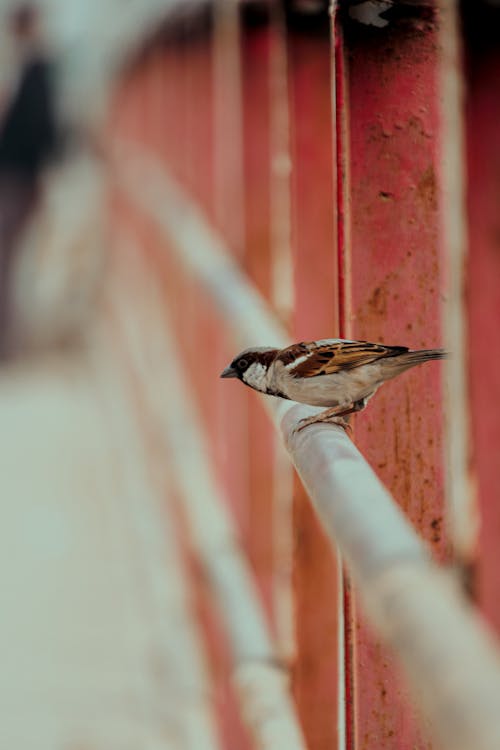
(417, 129)
(427, 189)
(435, 525)
(378, 301)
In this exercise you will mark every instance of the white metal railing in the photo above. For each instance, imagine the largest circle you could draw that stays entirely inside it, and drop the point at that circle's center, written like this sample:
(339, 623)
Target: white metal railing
(451, 660)
(261, 682)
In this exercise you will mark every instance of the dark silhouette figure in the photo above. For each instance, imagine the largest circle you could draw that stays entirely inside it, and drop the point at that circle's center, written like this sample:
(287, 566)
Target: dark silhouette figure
(27, 141)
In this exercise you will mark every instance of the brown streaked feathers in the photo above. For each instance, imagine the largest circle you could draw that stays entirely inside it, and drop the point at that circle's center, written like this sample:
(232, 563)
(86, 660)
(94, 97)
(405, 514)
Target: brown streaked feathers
(325, 359)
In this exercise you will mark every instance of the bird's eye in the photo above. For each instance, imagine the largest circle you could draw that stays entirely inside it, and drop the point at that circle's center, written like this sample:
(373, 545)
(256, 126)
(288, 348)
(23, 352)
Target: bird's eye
(242, 364)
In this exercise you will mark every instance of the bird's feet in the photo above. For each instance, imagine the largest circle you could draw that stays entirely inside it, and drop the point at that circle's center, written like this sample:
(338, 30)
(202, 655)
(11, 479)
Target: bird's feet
(324, 418)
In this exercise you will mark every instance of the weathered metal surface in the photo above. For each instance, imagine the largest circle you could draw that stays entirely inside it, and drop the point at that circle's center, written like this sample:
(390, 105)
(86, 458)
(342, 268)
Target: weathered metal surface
(483, 289)
(256, 259)
(390, 287)
(256, 101)
(392, 294)
(317, 669)
(160, 96)
(449, 656)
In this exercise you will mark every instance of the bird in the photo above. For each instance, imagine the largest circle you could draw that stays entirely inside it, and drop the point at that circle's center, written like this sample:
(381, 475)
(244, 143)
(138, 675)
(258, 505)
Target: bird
(339, 374)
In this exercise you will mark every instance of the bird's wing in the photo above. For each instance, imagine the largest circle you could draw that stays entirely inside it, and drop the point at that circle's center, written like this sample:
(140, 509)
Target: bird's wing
(333, 355)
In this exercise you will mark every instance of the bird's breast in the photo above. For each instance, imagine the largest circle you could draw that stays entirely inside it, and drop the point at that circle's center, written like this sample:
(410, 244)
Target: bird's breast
(326, 390)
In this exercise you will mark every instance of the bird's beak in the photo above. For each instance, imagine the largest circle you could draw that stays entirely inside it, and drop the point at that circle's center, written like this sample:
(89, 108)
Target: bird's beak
(229, 372)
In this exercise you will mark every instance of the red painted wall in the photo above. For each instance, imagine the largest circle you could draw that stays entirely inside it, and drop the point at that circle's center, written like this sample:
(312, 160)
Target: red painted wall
(313, 241)
(393, 292)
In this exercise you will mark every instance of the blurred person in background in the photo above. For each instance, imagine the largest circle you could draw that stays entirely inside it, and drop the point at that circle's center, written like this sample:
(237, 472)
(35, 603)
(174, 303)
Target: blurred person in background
(28, 136)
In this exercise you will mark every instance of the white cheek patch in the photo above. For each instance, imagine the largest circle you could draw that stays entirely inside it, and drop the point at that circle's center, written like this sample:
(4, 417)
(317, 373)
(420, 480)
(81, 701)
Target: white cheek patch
(256, 376)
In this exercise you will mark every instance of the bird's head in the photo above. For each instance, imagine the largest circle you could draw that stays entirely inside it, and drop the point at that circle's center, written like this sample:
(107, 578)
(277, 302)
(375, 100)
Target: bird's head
(251, 367)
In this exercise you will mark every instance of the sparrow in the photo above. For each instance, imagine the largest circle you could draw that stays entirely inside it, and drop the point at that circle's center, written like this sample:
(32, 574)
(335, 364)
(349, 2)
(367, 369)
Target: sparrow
(337, 373)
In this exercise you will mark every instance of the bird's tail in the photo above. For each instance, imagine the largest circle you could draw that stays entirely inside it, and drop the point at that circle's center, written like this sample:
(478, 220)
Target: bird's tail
(401, 362)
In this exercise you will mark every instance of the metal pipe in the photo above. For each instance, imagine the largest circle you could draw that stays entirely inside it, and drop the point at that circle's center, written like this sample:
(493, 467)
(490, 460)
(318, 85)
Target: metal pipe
(461, 490)
(451, 660)
(260, 680)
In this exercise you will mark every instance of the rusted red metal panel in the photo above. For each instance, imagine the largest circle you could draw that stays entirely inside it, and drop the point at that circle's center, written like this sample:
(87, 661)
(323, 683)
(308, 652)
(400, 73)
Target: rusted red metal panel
(224, 410)
(155, 95)
(313, 184)
(389, 290)
(482, 26)
(179, 81)
(317, 670)
(173, 121)
(256, 61)
(396, 270)
(392, 293)
(256, 47)
(158, 97)
(198, 80)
